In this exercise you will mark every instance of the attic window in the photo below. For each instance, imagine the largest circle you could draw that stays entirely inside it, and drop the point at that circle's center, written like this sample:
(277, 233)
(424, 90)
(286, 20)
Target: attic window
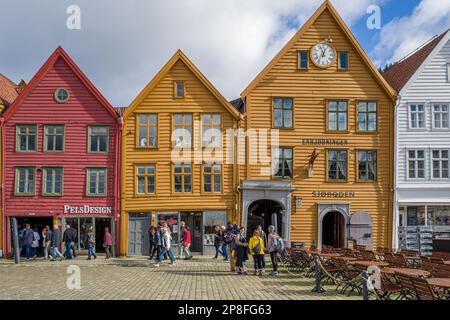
(62, 95)
(448, 72)
(179, 89)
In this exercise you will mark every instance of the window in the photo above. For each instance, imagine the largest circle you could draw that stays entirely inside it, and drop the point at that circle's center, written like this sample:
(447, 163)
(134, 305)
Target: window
(303, 60)
(337, 115)
(147, 130)
(367, 116)
(416, 164)
(212, 130)
(179, 89)
(182, 174)
(52, 182)
(448, 72)
(282, 109)
(367, 165)
(440, 116)
(25, 181)
(343, 60)
(96, 182)
(337, 165)
(54, 138)
(440, 164)
(212, 178)
(417, 116)
(61, 95)
(98, 139)
(26, 138)
(182, 135)
(145, 177)
(283, 163)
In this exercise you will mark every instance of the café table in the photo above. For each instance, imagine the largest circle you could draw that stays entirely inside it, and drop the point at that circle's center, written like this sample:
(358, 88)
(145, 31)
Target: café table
(439, 282)
(348, 259)
(407, 272)
(367, 263)
(329, 255)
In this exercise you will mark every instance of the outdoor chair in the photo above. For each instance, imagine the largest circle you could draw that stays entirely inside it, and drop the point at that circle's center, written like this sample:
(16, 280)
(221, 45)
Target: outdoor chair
(422, 289)
(390, 289)
(367, 255)
(349, 279)
(441, 271)
(408, 290)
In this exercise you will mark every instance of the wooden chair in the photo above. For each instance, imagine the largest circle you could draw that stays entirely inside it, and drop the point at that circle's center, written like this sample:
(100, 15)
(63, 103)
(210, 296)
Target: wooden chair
(422, 289)
(429, 266)
(367, 255)
(347, 276)
(408, 290)
(442, 255)
(441, 271)
(389, 288)
(437, 260)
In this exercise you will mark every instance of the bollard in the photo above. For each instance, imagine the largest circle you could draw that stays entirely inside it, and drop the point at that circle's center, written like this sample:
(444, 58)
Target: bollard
(318, 288)
(365, 276)
(15, 243)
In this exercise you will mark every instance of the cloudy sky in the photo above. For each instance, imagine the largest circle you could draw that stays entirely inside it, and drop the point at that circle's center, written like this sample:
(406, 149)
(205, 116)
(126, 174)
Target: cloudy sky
(123, 43)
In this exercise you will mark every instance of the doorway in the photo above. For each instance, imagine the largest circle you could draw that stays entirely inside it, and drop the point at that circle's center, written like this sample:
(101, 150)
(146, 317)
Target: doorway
(37, 224)
(194, 220)
(138, 241)
(333, 230)
(265, 213)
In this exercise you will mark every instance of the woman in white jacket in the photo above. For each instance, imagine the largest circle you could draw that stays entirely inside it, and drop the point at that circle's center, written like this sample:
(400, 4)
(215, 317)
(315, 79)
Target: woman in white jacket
(166, 246)
(35, 243)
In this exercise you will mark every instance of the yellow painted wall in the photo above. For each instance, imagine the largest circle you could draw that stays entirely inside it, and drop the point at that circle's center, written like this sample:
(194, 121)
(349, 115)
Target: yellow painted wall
(310, 90)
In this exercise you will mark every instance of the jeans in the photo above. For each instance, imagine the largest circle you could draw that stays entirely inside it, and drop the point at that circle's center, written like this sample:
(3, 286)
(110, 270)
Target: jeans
(28, 251)
(274, 259)
(56, 252)
(90, 250)
(218, 246)
(68, 245)
(169, 252)
(225, 251)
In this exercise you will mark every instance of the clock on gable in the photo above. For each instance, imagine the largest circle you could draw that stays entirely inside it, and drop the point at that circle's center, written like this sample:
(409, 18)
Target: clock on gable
(323, 54)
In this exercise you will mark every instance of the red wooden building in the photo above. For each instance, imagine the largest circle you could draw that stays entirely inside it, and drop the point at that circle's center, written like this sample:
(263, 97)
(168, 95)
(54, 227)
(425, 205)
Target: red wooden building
(61, 155)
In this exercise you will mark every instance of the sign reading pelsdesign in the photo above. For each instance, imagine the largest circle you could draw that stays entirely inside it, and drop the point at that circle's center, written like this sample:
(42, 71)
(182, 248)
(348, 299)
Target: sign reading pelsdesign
(87, 210)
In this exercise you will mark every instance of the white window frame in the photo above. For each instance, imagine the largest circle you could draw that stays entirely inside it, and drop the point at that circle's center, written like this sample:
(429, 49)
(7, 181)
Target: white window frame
(410, 113)
(433, 112)
(416, 159)
(432, 159)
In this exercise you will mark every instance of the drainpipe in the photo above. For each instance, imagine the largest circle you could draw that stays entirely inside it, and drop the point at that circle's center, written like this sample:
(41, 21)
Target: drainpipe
(4, 220)
(117, 184)
(395, 205)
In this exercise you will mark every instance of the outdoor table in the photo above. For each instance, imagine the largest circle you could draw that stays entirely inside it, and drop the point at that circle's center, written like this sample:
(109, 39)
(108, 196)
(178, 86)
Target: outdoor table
(439, 282)
(348, 259)
(407, 272)
(366, 263)
(327, 256)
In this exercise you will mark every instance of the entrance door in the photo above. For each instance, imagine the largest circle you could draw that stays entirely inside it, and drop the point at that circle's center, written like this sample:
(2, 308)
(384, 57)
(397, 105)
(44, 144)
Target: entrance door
(138, 243)
(265, 213)
(37, 224)
(333, 230)
(100, 225)
(194, 221)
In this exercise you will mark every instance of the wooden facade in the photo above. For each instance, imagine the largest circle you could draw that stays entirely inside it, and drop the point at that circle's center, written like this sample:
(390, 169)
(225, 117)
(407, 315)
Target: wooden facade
(197, 98)
(309, 197)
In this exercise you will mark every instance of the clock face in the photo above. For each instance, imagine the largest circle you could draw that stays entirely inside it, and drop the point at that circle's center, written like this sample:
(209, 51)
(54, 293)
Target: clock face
(323, 55)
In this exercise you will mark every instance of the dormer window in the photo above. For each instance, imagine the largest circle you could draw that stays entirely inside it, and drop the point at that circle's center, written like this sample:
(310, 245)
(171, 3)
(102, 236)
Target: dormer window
(62, 95)
(303, 60)
(343, 60)
(179, 89)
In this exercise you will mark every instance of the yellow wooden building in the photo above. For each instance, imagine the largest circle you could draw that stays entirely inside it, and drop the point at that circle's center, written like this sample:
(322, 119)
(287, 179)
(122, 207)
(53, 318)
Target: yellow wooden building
(329, 180)
(174, 164)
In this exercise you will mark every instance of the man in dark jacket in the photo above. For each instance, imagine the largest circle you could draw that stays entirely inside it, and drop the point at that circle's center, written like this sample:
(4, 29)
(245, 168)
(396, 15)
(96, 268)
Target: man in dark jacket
(69, 238)
(55, 243)
(28, 238)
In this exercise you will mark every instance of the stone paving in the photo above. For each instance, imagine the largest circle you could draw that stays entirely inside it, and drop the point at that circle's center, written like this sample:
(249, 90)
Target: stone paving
(137, 279)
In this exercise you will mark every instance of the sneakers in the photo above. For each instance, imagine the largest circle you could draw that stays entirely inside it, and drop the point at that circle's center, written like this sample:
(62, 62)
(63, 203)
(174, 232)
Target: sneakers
(157, 265)
(274, 274)
(172, 264)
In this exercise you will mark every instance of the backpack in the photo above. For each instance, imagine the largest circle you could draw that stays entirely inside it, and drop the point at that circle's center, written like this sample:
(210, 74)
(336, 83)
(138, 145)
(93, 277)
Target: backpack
(257, 249)
(229, 237)
(278, 244)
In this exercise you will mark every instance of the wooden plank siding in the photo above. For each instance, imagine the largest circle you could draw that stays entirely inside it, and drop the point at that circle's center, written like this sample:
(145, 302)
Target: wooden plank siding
(161, 101)
(310, 90)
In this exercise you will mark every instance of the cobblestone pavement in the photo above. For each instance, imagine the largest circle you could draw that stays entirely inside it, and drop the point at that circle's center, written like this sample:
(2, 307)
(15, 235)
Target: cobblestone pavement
(137, 279)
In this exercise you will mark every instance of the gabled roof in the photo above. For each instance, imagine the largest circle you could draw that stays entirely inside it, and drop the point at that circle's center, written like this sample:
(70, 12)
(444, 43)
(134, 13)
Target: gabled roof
(325, 6)
(180, 56)
(59, 53)
(8, 91)
(401, 72)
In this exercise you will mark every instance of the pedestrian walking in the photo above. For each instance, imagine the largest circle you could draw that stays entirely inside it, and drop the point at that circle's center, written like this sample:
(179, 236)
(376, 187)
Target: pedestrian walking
(151, 241)
(69, 239)
(218, 241)
(256, 247)
(56, 242)
(187, 243)
(28, 238)
(241, 251)
(181, 247)
(158, 243)
(224, 244)
(46, 241)
(263, 235)
(230, 233)
(275, 245)
(166, 246)
(35, 244)
(89, 243)
(107, 242)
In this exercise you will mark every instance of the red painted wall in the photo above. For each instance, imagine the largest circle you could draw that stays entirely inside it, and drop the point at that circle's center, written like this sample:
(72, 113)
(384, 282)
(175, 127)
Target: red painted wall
(83, 109)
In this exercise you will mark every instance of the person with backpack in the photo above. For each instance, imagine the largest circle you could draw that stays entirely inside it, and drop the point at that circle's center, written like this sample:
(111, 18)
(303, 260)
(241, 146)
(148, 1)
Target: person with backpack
(218, 241)
(89, 243)
(264, 238)
(28, 239)
(256, 247)
(275, 246)
(241, 251)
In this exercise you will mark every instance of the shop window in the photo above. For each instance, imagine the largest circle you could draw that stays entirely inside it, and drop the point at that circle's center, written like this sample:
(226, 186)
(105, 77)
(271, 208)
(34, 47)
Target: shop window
(367, 116)
(145, 179)
(52, 182)
(303, 60)
(283, 163)
(440, 164)
(182, 177)
(438, 215)
(415, 216)
(98, 139)
(25, 181)
(54, 138)
(179, 89)
(212, 178)
(416, 164)
(283, 113)
(147, 130)
(182, 131)
(96, 182)
(26, 138)
(337, 116)
(337, 165)
(212, 130)
(417, 116)
(367, 165)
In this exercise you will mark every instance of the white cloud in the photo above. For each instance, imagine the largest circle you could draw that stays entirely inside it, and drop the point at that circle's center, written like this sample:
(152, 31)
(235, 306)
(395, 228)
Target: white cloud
(122, 44)
(403, 35)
